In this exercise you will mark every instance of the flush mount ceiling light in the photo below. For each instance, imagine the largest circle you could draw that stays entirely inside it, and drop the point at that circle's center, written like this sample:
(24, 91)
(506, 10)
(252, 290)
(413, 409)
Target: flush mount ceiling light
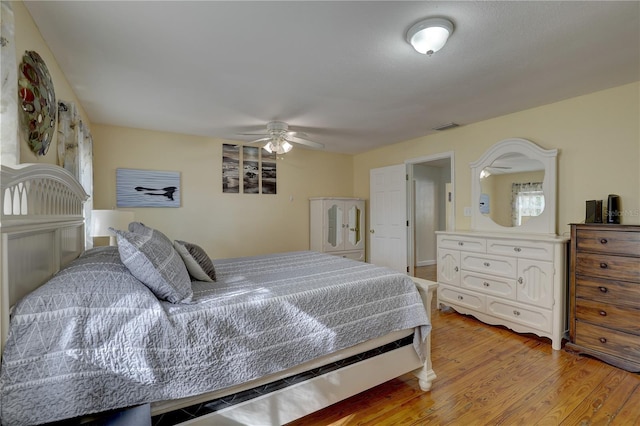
(429, 35)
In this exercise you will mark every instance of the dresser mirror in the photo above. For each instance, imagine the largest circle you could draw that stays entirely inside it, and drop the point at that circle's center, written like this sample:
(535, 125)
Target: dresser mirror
(514, 188)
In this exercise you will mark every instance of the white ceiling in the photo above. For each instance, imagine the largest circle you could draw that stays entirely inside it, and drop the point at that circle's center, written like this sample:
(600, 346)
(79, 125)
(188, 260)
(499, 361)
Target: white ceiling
(341, 71)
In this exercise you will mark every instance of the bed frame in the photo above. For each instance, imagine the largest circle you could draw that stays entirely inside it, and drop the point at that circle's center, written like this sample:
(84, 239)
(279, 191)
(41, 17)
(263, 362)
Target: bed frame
(42, 229)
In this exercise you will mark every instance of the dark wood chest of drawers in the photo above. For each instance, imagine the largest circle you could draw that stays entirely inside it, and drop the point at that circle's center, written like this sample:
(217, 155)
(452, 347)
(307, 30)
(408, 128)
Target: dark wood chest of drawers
(604, 293)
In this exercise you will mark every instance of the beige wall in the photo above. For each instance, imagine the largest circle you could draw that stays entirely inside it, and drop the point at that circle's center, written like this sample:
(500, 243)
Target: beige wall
(225, 225)
(27, 37)
(597, 135)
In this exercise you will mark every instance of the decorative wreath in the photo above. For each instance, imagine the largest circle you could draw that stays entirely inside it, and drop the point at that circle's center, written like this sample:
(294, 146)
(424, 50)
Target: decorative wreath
(39, 107)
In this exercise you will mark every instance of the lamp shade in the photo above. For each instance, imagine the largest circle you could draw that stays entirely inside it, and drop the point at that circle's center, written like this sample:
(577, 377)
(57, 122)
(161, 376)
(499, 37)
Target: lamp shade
(429, 35)
(102, 220)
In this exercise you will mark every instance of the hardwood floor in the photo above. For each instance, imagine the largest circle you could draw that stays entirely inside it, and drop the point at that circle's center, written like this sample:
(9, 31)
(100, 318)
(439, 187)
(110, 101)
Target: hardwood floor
(489, 375)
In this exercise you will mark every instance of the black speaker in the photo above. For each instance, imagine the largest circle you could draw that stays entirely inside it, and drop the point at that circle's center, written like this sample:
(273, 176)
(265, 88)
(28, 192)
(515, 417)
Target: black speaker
(613, 209)
(594, 211)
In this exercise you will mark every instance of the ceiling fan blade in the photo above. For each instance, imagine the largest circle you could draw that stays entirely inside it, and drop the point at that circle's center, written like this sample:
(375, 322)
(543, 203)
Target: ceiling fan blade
(306, 142)
(260, 140)
(253, 134)
(298, 135)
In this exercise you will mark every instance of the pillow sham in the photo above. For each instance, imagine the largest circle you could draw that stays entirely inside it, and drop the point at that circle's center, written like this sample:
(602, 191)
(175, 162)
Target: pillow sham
(196, 260)
(141, 228)
(156, 264)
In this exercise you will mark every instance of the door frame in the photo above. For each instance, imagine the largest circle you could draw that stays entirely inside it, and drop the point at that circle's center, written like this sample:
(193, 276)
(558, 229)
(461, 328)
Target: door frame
(410, 163)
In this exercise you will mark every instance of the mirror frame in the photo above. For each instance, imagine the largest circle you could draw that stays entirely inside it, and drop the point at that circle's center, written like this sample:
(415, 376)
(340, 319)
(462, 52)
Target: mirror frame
(545, 223)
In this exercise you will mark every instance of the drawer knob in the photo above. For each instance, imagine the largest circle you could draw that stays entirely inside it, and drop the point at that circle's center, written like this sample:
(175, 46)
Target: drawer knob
(460, 298)
(603, 241)
(603, 265)
(486, 284)
(602, 340)
(603, 313)
(517, 249)
(460, 243)
(487, 264)
(603, 289)
(516, 313)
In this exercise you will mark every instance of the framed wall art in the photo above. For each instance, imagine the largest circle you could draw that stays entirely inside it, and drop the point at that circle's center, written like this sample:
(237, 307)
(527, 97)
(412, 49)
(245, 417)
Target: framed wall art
(230, 168)
(147, 188)
(257, 166)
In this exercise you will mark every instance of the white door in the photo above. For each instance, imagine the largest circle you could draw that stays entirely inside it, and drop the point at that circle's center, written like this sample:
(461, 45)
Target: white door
(388, 220)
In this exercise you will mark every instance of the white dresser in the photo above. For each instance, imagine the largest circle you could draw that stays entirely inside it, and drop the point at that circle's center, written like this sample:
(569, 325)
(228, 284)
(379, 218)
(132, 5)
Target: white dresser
(337, 226)
(518, 281)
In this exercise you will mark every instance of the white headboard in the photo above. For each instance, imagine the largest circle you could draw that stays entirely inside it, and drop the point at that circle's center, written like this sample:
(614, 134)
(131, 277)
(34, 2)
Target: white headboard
(42, 229)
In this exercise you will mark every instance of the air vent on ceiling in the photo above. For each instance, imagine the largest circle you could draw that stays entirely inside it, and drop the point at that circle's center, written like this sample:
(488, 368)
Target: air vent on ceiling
(446, 126)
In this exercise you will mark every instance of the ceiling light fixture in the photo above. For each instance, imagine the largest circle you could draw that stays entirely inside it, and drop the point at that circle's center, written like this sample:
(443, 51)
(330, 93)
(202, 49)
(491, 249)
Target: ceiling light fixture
(278, 145)
(429, 35)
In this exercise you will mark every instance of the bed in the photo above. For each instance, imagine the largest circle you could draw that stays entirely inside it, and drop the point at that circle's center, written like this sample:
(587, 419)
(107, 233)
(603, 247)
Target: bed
(166, 355)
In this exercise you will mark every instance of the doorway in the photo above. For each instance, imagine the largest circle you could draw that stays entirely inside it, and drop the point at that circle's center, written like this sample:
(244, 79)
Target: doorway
(430, 202)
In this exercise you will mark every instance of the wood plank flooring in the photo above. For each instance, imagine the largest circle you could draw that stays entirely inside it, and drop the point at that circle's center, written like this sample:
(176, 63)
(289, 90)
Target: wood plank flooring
(489, 375)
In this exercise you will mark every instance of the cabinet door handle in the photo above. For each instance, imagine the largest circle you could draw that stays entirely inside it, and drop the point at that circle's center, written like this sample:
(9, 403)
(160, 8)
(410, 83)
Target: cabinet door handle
(603, 289)
(486, 284)
(603, 265)
(487, 264)
(516, 313)
(460, 298)
(373, 231)
(517, 249)
(603, 241)
(460, 243)
(520, 280)
(602, 340)
(456, 269)
(603, 313)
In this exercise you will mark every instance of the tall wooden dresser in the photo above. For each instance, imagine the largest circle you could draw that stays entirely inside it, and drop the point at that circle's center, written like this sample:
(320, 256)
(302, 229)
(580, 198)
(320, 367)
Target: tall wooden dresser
(604, 293)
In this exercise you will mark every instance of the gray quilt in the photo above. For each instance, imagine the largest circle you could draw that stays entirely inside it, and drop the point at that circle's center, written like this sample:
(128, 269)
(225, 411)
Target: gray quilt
(95, 338)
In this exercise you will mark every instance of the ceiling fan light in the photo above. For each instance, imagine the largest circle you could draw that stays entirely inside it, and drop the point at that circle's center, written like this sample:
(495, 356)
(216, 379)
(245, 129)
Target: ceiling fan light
(279, 147)
(430, 35)
(286, 147)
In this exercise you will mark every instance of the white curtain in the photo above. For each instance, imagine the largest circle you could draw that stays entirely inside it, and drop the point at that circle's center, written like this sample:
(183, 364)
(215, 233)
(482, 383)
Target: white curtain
(75, 154)
(527, 200)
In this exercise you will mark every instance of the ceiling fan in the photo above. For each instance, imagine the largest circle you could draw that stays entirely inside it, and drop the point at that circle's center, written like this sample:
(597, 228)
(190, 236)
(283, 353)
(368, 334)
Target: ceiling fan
(278, 138)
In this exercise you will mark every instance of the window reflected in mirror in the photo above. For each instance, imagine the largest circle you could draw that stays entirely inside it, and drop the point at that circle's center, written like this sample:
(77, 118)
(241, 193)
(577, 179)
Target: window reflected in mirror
(511, 190)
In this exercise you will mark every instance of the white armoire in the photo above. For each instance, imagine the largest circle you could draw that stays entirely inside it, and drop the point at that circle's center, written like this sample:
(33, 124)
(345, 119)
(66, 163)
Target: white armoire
(337, 226)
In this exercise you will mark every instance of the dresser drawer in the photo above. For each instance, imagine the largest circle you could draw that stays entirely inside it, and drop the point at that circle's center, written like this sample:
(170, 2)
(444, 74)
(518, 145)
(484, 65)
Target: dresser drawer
(526, 249)
(622, 318)
(608, 291)
(462, 242)
(494, 265)
(609, 242)
(606, 266)
(448, 295)
(528, 316)
(497, 286)
(609, 341)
